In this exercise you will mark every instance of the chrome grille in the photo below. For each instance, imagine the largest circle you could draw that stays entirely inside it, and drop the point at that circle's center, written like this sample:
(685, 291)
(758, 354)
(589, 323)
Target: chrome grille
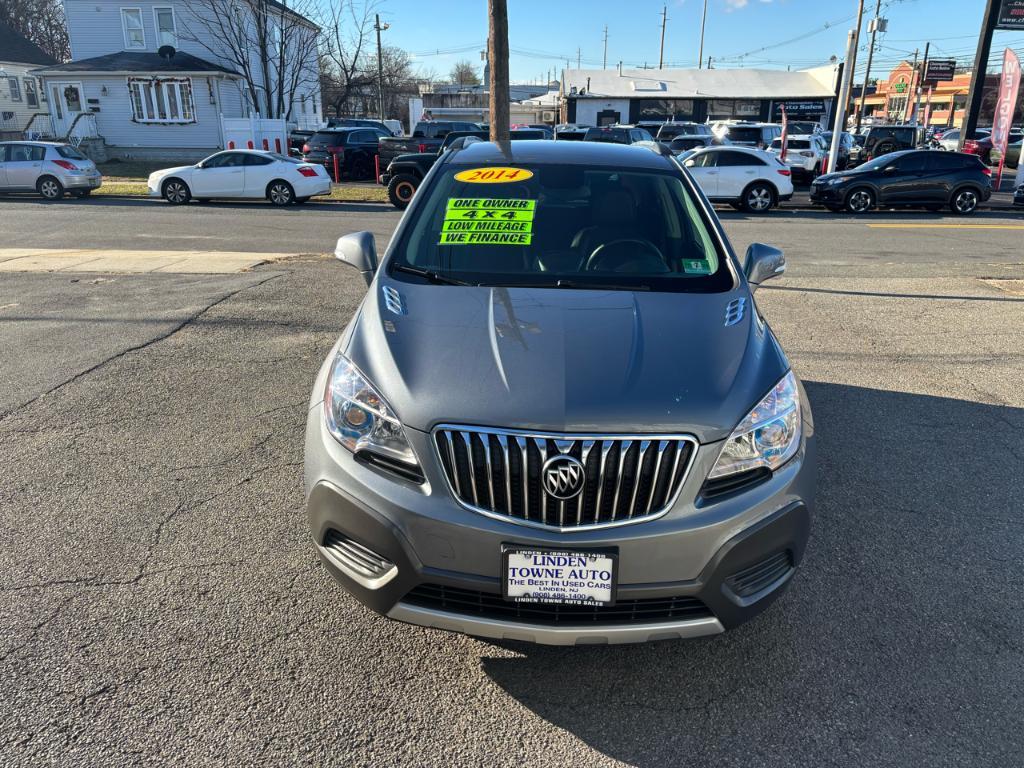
(626, 478)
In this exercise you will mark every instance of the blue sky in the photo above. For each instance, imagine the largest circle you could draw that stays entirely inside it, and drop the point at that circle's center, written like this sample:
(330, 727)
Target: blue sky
(543, 34)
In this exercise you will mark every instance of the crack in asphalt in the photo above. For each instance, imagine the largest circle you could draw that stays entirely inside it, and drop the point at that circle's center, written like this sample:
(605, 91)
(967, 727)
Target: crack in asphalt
(137, 347)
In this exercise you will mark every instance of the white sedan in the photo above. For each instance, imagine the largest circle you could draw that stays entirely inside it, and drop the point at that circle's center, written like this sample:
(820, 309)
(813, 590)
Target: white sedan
(243, 173)
(749, 179)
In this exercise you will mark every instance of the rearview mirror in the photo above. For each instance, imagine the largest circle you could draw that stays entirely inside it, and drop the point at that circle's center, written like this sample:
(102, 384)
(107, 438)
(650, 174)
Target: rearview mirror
(358, 250)
(763, 262)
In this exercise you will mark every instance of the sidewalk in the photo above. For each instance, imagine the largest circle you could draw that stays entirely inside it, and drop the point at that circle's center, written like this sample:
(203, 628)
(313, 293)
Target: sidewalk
(131, 261)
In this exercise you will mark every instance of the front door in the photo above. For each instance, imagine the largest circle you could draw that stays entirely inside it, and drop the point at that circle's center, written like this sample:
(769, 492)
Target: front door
(66, 102)
(702, 168)
(222, 175)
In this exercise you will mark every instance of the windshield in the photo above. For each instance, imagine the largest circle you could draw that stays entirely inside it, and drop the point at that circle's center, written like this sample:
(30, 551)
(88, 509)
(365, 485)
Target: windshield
(611, 135)
(565, 226)
(880, 162)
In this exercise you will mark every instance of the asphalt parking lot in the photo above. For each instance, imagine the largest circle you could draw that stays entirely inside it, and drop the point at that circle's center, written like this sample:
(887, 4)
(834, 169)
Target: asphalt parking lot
(160, 600)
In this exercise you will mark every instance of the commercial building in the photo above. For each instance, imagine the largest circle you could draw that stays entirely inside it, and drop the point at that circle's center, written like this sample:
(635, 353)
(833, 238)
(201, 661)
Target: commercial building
(944, 103)
(606, 96)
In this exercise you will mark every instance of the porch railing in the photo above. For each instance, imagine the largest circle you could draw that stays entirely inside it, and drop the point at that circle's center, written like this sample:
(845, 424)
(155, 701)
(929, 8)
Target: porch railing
(82, 127)
(38, 125)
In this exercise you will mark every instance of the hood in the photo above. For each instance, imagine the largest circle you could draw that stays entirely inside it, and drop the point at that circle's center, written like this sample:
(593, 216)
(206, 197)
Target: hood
(177, 170)
(564, 360)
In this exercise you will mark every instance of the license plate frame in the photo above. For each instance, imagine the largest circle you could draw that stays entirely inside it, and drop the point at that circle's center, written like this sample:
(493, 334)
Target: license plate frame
(593, 556)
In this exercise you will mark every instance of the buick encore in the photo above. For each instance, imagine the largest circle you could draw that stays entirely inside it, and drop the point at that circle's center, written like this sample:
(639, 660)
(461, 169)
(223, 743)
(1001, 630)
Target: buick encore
(558, 415)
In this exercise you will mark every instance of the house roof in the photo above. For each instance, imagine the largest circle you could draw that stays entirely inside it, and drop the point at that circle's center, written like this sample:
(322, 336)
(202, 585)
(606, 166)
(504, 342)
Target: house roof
(700, 83)
(136, 62)
(17, 49)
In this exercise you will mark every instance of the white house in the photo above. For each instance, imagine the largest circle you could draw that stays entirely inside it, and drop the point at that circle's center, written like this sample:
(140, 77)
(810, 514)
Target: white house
(152, 78)
(21, 94)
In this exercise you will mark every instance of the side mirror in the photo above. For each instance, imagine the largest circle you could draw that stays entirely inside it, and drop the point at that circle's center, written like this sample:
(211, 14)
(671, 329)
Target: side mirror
(358, 250)
(889, 169)
(200, 165)
(763, 263)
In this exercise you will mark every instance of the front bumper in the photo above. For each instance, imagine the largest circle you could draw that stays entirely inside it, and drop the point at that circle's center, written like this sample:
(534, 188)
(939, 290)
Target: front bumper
(690, 553)
(826, 194)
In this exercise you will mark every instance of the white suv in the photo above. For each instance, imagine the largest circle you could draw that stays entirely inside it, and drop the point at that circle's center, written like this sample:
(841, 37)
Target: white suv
(805, 154)
(48, 168)
(748, 179)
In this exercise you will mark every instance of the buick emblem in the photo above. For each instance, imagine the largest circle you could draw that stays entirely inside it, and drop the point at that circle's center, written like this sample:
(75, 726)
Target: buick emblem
(563, 477)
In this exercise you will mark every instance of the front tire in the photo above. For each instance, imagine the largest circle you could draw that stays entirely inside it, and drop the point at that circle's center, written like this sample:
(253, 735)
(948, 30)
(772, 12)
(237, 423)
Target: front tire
(759, 197)
(280, 193)
(401, 189)
(860, 200)
(50, 188)
(176, 192)
(965, 201)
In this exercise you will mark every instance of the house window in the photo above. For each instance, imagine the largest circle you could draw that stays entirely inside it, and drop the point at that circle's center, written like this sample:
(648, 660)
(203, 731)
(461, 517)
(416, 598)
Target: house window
(166, 29)
(161, 101)
(15, 88)
(31, 96)
(134, 35)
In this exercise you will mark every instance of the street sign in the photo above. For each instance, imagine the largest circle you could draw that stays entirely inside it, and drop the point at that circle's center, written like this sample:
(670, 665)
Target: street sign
(1011, 15)
(939, 70)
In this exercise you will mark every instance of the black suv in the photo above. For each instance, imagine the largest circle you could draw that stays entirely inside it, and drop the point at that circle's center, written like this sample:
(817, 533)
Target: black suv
(882, 139)
(924, 178)
(354, 149)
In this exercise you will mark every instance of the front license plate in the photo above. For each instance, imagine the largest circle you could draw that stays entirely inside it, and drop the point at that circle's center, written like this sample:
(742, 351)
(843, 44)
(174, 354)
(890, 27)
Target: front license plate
(556, 576)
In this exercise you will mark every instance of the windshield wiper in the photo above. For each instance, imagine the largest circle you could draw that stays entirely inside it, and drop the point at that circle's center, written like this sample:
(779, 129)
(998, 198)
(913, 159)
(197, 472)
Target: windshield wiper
(598, 286)
(429, 274)
(573, 284)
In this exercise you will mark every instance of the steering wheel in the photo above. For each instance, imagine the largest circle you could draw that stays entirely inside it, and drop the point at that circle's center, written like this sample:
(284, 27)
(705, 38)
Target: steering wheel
(624, 251)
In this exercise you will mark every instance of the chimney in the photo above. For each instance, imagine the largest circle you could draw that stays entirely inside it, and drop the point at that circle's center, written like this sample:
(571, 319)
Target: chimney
(620, 69)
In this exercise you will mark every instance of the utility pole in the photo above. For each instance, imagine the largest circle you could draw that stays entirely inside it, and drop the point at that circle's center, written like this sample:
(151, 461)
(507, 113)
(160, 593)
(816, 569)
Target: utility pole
(920, 78)
(661, 52)
(380, 63)
(913, 70)
(852, 63)
(844, 92)
(988, 26)
(577, 58)
(703, 22)
(497, 52)
(604, 64)
(867, 71)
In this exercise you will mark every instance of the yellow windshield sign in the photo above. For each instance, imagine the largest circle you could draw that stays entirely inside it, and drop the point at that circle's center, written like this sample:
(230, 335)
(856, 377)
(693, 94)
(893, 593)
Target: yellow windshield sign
(493, 175)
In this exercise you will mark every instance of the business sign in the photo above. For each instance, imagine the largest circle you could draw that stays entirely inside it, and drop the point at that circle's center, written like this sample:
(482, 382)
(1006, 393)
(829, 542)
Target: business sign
(796, 109)
(1011, 15)
(1009, 84)
(939, 70)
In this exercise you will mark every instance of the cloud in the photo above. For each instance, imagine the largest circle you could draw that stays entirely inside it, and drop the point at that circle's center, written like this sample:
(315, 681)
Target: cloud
(733, 5)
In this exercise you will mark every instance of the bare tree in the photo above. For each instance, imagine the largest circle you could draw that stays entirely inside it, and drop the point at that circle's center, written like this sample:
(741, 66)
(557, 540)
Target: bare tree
(268, 43)
(464, 73)
(41, 21)
(346, 47)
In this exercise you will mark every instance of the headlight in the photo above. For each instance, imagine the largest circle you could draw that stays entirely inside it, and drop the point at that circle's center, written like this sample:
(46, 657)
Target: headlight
(768, 436)
(359, 418)
(836, 180)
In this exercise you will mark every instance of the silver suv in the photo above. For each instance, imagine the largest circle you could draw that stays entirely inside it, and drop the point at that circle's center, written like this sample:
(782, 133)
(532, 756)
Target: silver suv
(48, 168)
(558, 415)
